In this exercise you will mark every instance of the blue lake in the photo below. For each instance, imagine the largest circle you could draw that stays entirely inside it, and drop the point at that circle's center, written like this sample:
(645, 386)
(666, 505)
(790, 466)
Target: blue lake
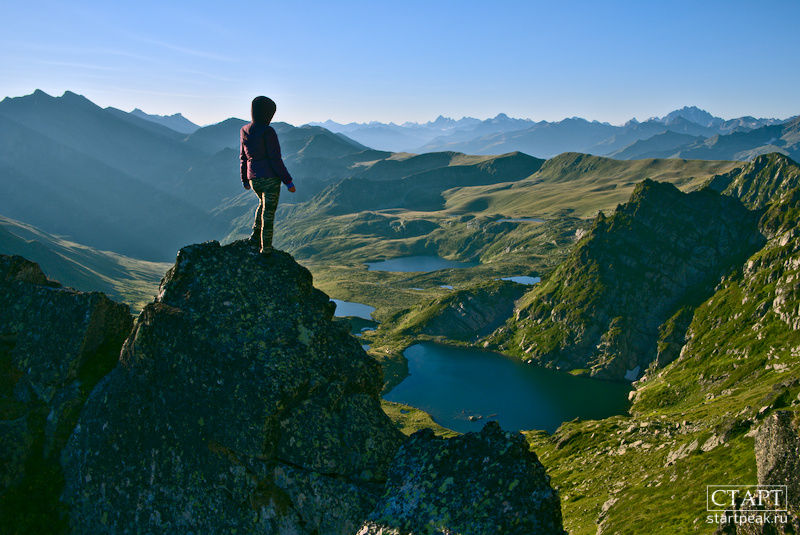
(523, 279)
(452, 384)
(348, 308)
(417, 263)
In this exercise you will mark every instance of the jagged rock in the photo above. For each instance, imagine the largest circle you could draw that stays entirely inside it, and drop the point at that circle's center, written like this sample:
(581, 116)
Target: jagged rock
(55, 344)
(463, 314)
(778, 453)
(477, 483)
(762, 181)
(602, 308)
(238, 405)
(777, 449)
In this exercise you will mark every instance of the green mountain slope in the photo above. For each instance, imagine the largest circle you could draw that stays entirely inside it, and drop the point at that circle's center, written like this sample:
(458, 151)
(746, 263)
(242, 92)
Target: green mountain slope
(662, 250)
(122, 278)
(761, 181)
(423, 190)
(693, 419)
(579, 185)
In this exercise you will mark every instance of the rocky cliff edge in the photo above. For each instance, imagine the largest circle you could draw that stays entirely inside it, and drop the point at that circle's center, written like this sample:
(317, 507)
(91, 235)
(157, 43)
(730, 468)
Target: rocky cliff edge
(238, 405)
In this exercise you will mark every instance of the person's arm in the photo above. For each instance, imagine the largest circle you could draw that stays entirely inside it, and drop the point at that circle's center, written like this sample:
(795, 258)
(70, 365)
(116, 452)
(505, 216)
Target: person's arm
(273, 147)
(243, 164)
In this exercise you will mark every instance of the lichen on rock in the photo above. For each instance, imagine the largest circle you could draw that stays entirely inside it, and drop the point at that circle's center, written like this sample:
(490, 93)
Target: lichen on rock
(238, 404)
(55, 344)
(478, 483)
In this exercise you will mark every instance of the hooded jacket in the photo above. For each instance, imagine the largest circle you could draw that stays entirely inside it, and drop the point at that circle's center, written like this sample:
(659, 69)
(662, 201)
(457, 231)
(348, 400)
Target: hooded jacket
(260, 152)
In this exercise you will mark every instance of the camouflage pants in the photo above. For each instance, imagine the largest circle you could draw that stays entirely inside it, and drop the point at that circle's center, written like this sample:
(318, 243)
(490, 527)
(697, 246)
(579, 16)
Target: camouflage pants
(268, 191)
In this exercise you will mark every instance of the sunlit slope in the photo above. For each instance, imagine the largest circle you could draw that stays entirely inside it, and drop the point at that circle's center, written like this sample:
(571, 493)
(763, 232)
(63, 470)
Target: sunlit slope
(439, 211)
(736, 360)
(122, 278)
(580, 185)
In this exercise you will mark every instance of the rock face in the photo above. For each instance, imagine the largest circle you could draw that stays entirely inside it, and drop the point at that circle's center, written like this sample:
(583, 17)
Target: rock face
(477, 483)
(462, 314)
(777, 450)
(602, 308)
(238, 405)
(55, 344)
(762, 181)
(778, 454)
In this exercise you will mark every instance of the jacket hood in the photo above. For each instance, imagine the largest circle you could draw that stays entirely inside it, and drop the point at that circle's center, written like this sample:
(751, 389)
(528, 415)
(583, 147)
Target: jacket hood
(262, 110)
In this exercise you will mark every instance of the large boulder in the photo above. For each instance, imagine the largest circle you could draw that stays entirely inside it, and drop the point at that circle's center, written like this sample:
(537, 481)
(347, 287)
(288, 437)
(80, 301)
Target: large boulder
(55, 344)
(475, 484)
(777, 450)
(239, 405)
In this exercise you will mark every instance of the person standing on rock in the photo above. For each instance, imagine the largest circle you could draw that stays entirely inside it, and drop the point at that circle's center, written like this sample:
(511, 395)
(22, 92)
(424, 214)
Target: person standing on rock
(262, 169)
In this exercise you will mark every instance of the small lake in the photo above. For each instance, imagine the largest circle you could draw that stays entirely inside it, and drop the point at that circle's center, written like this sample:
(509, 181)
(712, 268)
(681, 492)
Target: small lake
(348, 308)
(523, 279)
(452, 384)
(418, 263)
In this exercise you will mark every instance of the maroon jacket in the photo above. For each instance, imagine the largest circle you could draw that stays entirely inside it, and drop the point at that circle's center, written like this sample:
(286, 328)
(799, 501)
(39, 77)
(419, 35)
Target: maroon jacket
(260, 153)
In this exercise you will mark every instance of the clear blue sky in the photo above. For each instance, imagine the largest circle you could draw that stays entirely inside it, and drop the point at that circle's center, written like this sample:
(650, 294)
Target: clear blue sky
(409, 60)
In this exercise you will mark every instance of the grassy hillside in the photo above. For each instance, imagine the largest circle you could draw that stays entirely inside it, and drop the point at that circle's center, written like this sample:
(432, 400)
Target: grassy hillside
(735, 358)
(660, 251)
(580, 185)
(691, 422)
(125, 279)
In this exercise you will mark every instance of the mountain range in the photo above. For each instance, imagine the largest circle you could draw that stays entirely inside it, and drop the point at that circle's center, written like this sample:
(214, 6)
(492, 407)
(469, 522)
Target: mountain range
(546, 139)
(133, 184)
(678, 273)
(119, 182)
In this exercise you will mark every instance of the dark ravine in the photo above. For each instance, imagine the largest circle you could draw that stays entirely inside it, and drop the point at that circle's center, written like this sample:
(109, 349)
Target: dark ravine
(463, 483)
(236, 404)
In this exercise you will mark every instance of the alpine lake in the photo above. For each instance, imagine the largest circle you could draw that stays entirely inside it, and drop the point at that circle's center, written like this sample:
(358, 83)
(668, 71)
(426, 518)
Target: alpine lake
(462, 387)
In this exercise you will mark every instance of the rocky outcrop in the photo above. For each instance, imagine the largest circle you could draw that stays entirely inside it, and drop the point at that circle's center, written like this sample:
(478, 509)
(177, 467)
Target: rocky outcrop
(762, 181)
(602, 308)
(778, 454)
(238, 405)
(462, 314)
(777, 449)
(478, 483)
(55, 344)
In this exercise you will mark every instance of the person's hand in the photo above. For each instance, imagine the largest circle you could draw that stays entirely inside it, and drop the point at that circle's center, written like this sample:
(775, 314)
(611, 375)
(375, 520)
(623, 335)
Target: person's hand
(246, 184)
(291, 187)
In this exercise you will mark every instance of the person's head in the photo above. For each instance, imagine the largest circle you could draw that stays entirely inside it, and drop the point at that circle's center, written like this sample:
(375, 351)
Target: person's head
(262, 110)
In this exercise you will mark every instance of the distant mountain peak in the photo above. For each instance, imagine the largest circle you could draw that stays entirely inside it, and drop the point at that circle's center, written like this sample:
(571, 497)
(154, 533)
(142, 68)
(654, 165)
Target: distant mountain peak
(176, 121)
(692, 114)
